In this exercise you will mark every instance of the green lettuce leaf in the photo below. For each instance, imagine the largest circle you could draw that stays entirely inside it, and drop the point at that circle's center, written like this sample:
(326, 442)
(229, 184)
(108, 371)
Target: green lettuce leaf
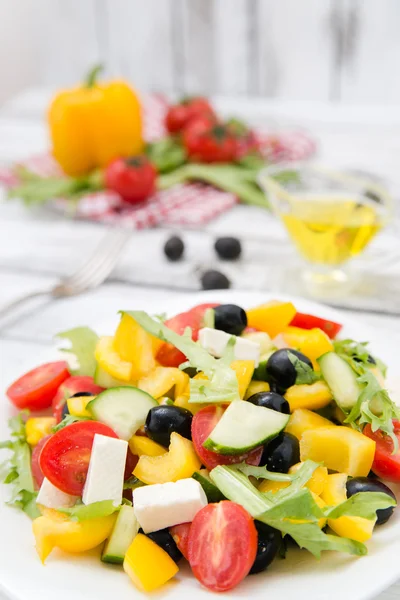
(222, 384)
(83, 512)
(83, 344)
(358, 351)
(364, 505)
(298, 479)
(68, 420)
(304, 373)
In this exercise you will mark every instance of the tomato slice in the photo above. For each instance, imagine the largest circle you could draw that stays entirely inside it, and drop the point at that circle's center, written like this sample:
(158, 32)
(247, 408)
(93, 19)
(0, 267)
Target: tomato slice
(180, 533)
(331, 328)
(222, 545)
(203, 423)
(36, 470)
(71, 386)
(35, 389)
(386, 465)
(200, 309)
(64, 459)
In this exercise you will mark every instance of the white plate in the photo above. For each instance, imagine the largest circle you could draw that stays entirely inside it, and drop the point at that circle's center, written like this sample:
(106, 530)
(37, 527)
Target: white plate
(83, 577)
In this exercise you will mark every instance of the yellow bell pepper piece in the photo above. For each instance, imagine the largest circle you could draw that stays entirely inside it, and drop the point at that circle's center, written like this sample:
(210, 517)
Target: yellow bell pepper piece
(319, 502)
(315, 484)
(272, 486)
(57, 531)
(244, 370)
(110, 361)
(95, 123)
(144, 446)
(37, 428)
(340, 448)
(355, 528)
(314, 396)
(163, 380)
(302, 420)
(271, 317)
(255, 387)
(147, 564)
(183, 402)
(311, 342)
(136, 346)
(179, 462)
(77, 406)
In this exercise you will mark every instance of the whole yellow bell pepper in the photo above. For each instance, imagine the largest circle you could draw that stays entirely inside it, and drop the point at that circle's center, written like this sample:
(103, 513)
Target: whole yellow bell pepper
(95, 123)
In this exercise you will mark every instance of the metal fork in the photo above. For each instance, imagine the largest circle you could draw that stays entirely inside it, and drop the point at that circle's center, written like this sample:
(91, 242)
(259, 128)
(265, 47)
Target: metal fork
(89, 276)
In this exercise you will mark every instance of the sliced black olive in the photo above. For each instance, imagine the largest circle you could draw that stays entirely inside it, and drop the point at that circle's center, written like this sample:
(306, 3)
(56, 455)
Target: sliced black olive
(271, 400)
(280, 369)
(164, 539)
(269, 543)
(228, 248)
(281, 453)
(164, 419)
(230, 318)
(214, 280)
(174, 248)
(365, 484)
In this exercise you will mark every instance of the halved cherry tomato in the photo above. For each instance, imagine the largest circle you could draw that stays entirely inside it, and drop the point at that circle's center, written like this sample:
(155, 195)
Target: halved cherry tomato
(36, 470)
(64, 459)
(213, 143)
(203, 423)
(310, 322)
(181, 114)
(71, 386)
(35, 389)
(386, 465)
(200, 309)
(222, 545)
(180, 533)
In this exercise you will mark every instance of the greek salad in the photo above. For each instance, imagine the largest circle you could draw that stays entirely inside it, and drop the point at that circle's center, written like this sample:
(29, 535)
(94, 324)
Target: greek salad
(222, 436)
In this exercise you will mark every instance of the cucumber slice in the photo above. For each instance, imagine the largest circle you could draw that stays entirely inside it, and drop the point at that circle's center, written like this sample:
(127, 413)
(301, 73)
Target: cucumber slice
(210, 489)
(124, 409)
(105, 380)
(125, 529)
(341, 380)
(244, 426)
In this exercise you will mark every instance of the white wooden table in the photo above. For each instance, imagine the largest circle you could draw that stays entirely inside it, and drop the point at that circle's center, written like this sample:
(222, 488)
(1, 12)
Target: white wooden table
(37, 248)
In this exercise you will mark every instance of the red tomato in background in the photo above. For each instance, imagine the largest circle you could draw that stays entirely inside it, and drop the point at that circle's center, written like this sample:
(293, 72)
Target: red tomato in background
(210, 143)
(134, 179)
(181, 114)
(222, 545)
(386, 465)
(310, 321)
(203, 423)
(35, 389)
(36, 470)
(71, 386)
(65, 457)
(180, 533)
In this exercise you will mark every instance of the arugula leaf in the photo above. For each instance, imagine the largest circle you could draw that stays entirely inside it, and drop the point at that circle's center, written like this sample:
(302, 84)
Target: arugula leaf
(305, 373)
(68, 420)
(363, 504)
(301, 476)
(359, 352)
(17, 468)
(83, 344)
(83, 512)
(221, 385)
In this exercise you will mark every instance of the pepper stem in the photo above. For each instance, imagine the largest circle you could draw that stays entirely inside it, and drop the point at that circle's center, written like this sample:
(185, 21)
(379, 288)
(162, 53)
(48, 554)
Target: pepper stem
(91, 77)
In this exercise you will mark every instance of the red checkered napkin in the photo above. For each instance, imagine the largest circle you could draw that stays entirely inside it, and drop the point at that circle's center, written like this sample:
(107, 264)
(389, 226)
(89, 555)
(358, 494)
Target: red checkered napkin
(191, 204)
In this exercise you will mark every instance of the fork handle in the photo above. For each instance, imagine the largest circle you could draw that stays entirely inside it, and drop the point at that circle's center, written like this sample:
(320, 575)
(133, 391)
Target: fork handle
(7, 308)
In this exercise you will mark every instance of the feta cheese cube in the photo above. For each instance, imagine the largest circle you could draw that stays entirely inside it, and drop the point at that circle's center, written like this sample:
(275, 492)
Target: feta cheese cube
(51, 497)
(166, 504)
(105, 477)
(215, 342)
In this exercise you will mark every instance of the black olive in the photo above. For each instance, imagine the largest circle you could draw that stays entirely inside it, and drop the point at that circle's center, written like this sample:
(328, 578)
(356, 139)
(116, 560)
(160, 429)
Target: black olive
(269, 543)
(165, 419)
(174, 248)
(79, 394)
(364, 484)
(164, 539)
(230, 318)
(370, 359)
(271, 400)
(281, 453)
(228, 248)
(65, 410)
(214, 280)
(280, 369)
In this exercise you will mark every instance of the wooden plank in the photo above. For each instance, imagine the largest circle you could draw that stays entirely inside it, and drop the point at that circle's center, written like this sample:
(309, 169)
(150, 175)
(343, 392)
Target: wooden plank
(370, 67)
(295, 49)
(137, 42)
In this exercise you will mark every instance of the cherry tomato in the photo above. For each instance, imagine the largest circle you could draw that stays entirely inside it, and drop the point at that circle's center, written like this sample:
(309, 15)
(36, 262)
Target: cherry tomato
(71, 386)
(222, 545)
(203, 423)
(181, 114)
(210, 143)
(131, 462)
(35, 389)
(200, 309)
(386, 465)
(36, 470)
(180, 533)
(134, 179)
(64, 459)
(310, 321)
